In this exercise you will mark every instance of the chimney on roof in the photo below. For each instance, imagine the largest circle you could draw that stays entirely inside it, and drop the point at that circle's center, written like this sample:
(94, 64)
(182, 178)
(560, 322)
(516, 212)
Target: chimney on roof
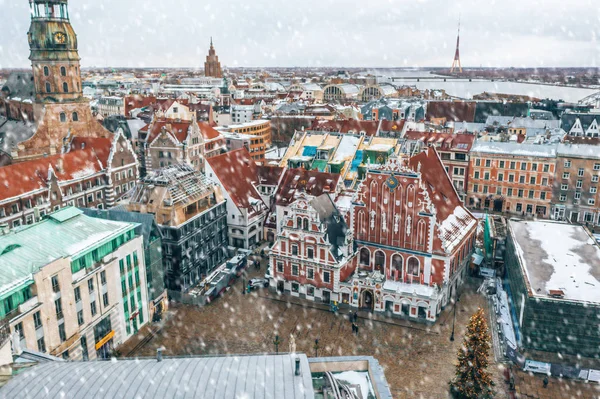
(159, 355)
(59, 165)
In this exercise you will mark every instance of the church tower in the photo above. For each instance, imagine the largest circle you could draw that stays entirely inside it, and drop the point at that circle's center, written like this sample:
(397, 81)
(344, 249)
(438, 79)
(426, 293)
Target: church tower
(53, 53)
(212, 66)
(60, 110)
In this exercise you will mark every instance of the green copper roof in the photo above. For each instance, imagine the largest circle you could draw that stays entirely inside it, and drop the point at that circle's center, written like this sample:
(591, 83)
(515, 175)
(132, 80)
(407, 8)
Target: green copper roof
(65, 233)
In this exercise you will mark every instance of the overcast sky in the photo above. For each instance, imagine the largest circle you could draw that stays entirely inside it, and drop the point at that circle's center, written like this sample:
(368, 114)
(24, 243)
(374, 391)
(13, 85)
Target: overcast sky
(374, 33)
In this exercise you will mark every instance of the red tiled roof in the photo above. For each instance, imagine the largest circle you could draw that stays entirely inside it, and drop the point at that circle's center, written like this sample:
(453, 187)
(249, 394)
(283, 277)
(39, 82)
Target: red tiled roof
(238, 173)
(312, 182)
(269, 175)
(458, 111)
(137, 101)
(208, 132)
(449, 141)
(21, 178)
(455, 221)
(177, 129)
(391, 126)
(346, 126)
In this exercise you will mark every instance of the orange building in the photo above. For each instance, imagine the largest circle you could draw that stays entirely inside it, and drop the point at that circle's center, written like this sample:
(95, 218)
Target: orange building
(258, 128)
(512, 177)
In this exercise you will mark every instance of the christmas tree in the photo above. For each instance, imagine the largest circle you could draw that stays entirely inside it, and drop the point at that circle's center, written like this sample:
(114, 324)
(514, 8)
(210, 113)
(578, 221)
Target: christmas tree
(472, 380)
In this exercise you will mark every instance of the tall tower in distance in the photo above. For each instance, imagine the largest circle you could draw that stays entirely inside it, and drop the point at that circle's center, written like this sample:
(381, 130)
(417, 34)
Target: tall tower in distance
(53, 53)
(456, 63)
(212, 66)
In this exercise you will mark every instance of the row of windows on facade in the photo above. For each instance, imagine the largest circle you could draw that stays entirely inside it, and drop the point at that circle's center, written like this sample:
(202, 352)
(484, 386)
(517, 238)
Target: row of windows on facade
(511, 178)
(445, 156)
(310, 272)
(509, 192)
(513, 165)
(37, 319)
(580, 173)
(65, 87)
(41, 200)
(63, 70)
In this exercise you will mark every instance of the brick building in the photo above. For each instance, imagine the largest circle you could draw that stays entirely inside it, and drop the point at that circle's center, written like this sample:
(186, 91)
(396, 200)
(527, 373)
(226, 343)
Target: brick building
(512, 177)
(170, 141)
(60, 110)
(454, 152)
(212, 66)
(313, 251)
(414, 239)
(575, 194)
(88, 172)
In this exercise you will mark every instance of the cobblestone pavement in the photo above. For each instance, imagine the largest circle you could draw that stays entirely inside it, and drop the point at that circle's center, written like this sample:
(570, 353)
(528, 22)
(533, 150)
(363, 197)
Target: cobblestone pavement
(418, 360)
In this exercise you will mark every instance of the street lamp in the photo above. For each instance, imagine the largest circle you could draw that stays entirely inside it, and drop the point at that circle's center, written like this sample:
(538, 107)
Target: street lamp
(276, 342)
(454, 319)
(316, 347)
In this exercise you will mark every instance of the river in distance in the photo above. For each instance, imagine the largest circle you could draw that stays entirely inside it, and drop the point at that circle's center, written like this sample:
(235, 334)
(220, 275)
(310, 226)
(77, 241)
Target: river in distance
(464, 88)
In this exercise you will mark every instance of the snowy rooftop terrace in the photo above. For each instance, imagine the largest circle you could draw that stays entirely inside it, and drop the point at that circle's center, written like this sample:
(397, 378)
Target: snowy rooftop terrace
(557, 256)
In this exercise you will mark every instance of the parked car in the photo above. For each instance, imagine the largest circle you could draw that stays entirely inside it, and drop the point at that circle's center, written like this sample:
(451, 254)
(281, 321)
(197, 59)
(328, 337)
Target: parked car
(258, 283)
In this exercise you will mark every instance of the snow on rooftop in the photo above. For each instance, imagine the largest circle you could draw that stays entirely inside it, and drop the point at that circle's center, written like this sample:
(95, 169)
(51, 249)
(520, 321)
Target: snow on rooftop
(400, 287)
(528, 150)
(558, 256)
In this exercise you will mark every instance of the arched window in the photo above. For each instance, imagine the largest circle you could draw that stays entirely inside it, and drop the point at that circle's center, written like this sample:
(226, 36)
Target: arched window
(299, 222)
(63, 71)
(397, 267)
(305, 224)
(413, 267)
(75, 117)
(63, 117)
(65, 87)
(365, 257)
(48, 88)
(379, 260)
(46, 71)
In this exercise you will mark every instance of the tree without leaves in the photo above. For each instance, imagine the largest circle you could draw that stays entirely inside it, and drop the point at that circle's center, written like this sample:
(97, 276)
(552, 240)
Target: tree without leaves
(472, 380)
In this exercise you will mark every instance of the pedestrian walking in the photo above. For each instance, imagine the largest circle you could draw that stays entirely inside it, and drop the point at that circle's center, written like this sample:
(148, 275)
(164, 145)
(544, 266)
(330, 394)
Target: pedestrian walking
(356, 328)
(353, 328)
(355, 317)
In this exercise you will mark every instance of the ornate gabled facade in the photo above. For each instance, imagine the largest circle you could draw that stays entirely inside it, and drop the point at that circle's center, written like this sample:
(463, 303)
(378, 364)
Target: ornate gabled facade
(60, 110)
(314, 250)
(212, 66)
(87, 172)
(414, 238)
(172, 141)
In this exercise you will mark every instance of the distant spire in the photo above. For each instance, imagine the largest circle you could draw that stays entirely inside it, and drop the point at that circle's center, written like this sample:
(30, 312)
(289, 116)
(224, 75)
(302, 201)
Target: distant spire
(456, 63)
(211, 43)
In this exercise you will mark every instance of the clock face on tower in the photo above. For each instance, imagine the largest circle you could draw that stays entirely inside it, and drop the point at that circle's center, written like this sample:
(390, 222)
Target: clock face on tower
(60, 37)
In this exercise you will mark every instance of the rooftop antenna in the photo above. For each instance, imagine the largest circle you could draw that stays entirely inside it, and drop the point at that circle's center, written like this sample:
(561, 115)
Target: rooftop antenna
(456, 63)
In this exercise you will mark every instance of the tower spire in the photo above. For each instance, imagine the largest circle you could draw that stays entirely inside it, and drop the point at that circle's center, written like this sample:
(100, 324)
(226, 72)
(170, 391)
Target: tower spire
(456, 63)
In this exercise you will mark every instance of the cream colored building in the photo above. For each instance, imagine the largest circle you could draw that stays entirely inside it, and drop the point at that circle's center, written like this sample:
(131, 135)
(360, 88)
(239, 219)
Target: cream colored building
(73, 286)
